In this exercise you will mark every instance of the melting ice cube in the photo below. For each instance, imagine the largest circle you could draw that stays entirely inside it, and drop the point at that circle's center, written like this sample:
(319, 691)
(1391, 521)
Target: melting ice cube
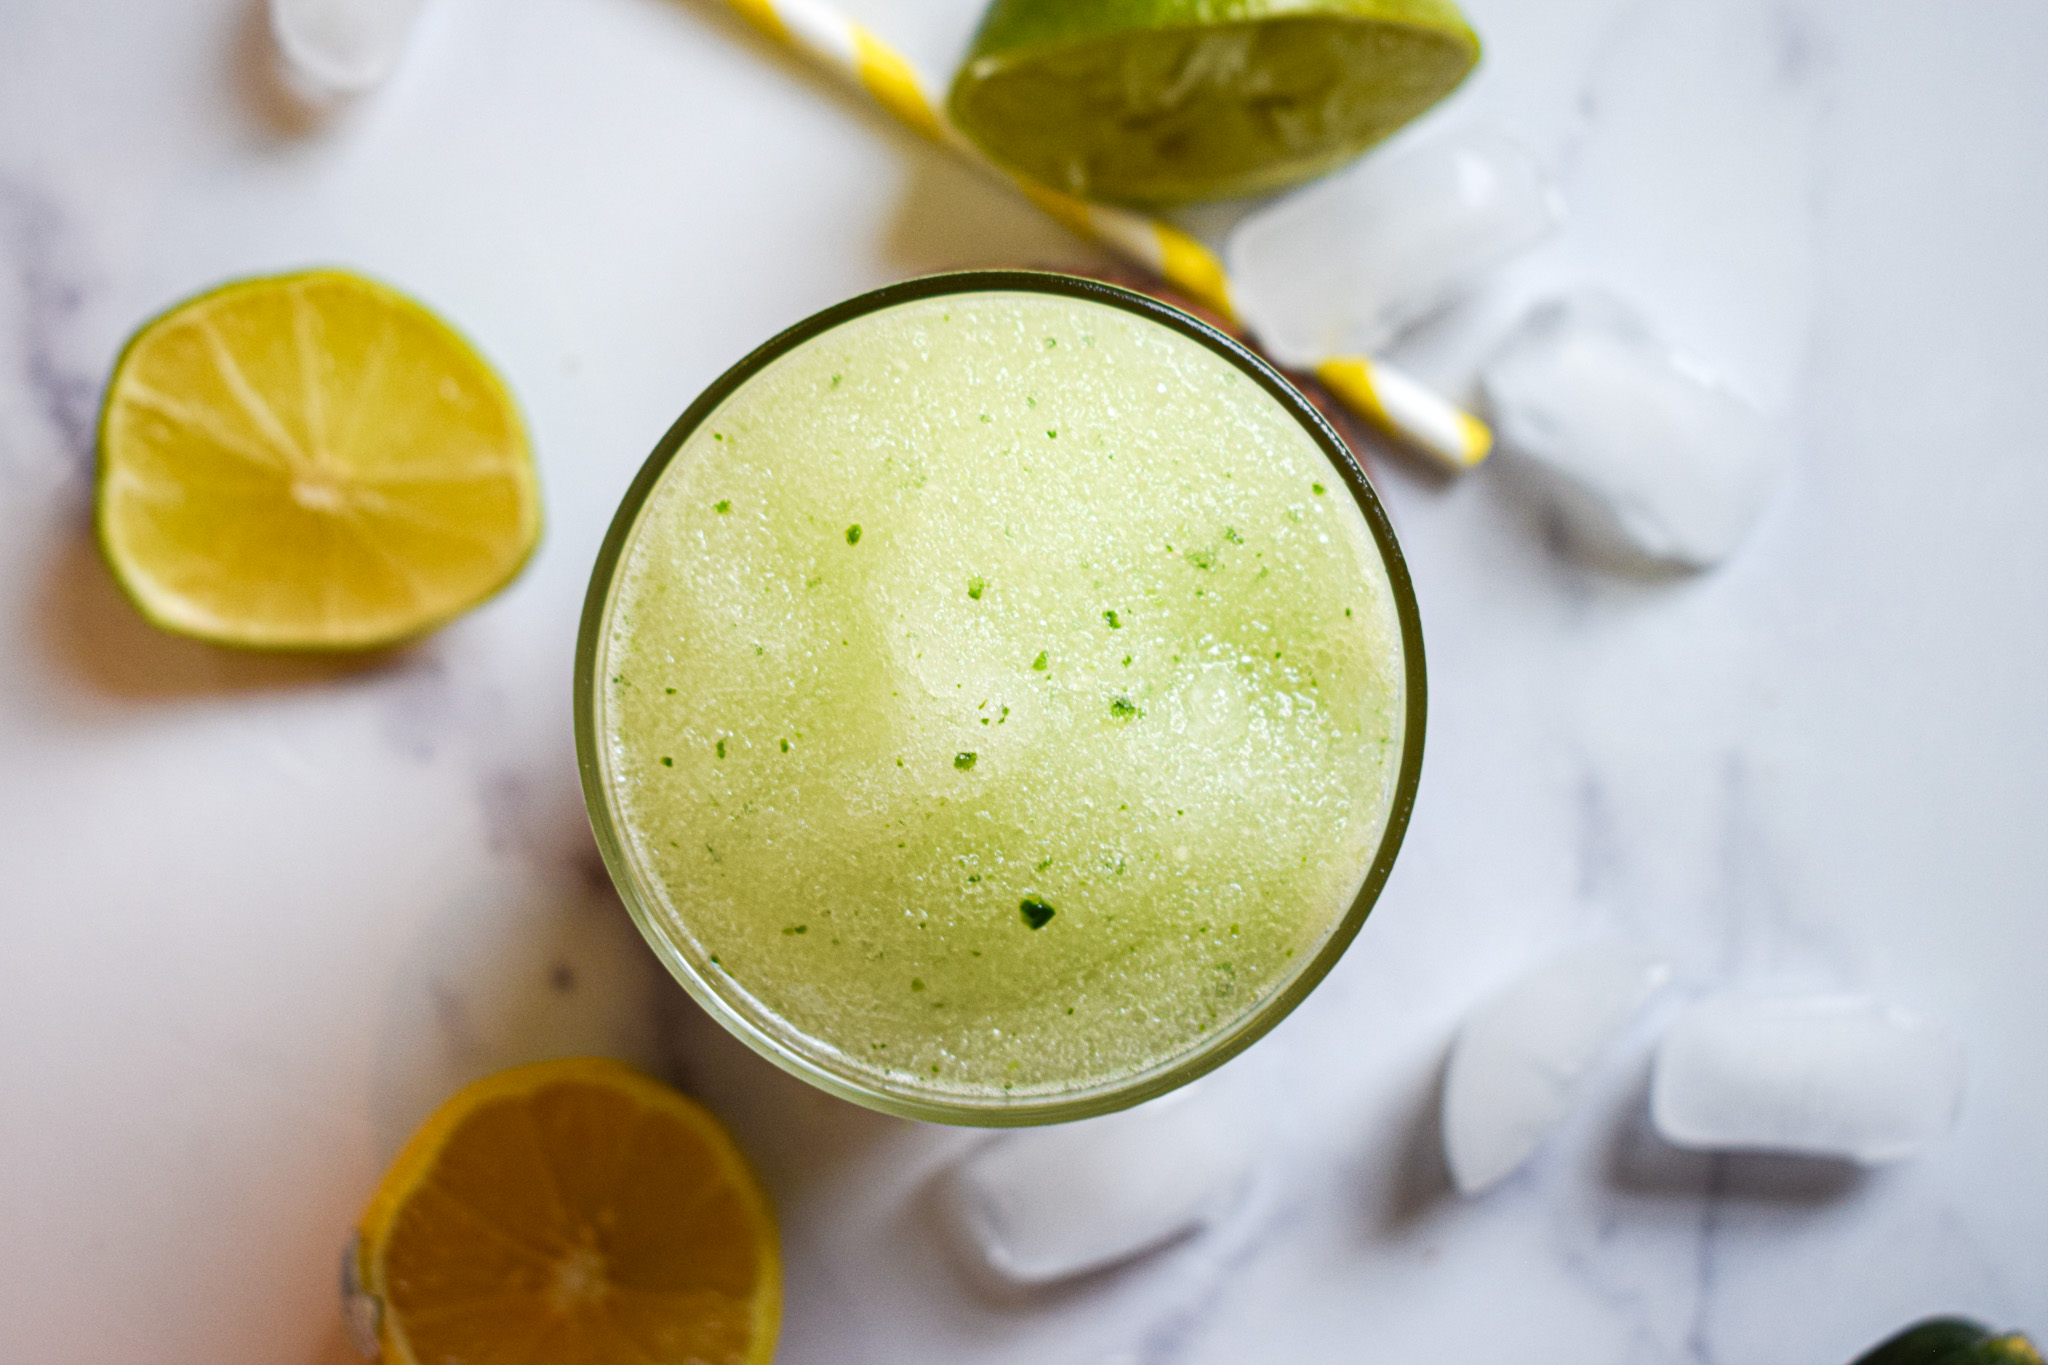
(1842, 1076)
(1348, 263)
(342, 46)
(1043, 1204)
(1645, 449)
(1520, 1056)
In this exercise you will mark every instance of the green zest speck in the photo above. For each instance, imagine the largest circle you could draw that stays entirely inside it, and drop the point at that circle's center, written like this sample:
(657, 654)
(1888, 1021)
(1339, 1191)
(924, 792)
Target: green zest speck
(853, 534)
(722, 506)
(1123, 708)
(1316, 488)
(721, 748)
(667, 762)
(1114, 624)
(975, 587)
(1039, 663)
(1036, 912)
(963, 761)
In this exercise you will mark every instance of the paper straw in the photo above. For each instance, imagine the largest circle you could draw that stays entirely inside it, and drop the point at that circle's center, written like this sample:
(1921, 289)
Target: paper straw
(1399, 405)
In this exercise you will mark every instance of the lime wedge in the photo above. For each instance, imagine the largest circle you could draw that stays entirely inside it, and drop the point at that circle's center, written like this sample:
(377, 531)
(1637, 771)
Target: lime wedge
(310, 461)
(1161, 102)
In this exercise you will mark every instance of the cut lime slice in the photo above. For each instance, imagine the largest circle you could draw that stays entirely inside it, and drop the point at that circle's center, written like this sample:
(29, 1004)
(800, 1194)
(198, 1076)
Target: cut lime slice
(1160, 102)
(310, 461)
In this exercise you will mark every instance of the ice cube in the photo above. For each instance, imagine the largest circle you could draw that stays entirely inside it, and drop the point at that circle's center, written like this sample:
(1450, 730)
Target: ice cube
(1646, 451)
(1841, 1076)
(1346, 264)
(1516, 1066)
(1044, 1204)
(342, 46)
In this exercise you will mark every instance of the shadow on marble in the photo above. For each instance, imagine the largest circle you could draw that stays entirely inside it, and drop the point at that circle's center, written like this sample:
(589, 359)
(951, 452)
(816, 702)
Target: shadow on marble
(952, 216)
(1640, 1162)
(514, 967)
(261, 80)
(794, 1133)
(1521, 483)
(91, 631)
(1419, 1183)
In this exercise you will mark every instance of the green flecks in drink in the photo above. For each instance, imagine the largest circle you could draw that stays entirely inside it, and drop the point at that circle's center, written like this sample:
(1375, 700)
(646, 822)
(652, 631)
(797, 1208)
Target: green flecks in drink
(916, 983)
(857, 817)
(797, 929)
(1201, 559)
(722, 506)
(721, 748)
(1111, 617)
(853, 534)
(963, 761)
(1037, 914)
(668, 691)
(667, 761)
(835, 380)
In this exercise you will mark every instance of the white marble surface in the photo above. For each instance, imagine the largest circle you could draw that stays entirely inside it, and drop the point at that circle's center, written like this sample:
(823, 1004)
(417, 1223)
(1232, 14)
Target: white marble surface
(259, 916)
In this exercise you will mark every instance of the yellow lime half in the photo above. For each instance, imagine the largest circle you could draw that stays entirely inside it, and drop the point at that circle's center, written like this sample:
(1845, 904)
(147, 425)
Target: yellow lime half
(1160, 102)
(570, 1211)
(310, 461)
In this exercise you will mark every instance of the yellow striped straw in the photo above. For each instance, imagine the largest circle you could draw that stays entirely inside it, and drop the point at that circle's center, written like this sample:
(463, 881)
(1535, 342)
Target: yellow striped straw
(1399, 405)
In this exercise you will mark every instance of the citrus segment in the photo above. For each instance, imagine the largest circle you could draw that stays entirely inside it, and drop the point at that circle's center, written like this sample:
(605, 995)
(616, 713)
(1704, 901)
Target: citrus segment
(310, 461)
(573, 1210)
(1159, 102)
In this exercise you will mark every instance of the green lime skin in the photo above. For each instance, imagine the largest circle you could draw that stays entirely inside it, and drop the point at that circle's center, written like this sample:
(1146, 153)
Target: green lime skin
(1951, 1341)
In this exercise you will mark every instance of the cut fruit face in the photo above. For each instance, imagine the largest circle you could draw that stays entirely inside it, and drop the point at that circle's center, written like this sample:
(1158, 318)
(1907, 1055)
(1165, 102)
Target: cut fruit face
(310, 461)
(576, 1211)
(1164, 102)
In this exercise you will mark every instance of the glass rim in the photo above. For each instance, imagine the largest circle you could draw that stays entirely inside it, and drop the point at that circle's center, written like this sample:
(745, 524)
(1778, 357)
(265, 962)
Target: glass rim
(907, 1101)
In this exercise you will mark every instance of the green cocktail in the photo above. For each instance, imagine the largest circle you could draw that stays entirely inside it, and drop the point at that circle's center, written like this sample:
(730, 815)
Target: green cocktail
(1000, 698)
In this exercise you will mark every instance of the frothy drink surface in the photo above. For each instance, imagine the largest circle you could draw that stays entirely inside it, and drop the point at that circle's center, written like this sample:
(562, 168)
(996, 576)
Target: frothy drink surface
(1003, 691)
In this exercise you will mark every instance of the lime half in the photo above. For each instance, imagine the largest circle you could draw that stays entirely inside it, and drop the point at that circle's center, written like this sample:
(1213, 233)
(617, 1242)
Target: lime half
(1161, 102)
(310, 461)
